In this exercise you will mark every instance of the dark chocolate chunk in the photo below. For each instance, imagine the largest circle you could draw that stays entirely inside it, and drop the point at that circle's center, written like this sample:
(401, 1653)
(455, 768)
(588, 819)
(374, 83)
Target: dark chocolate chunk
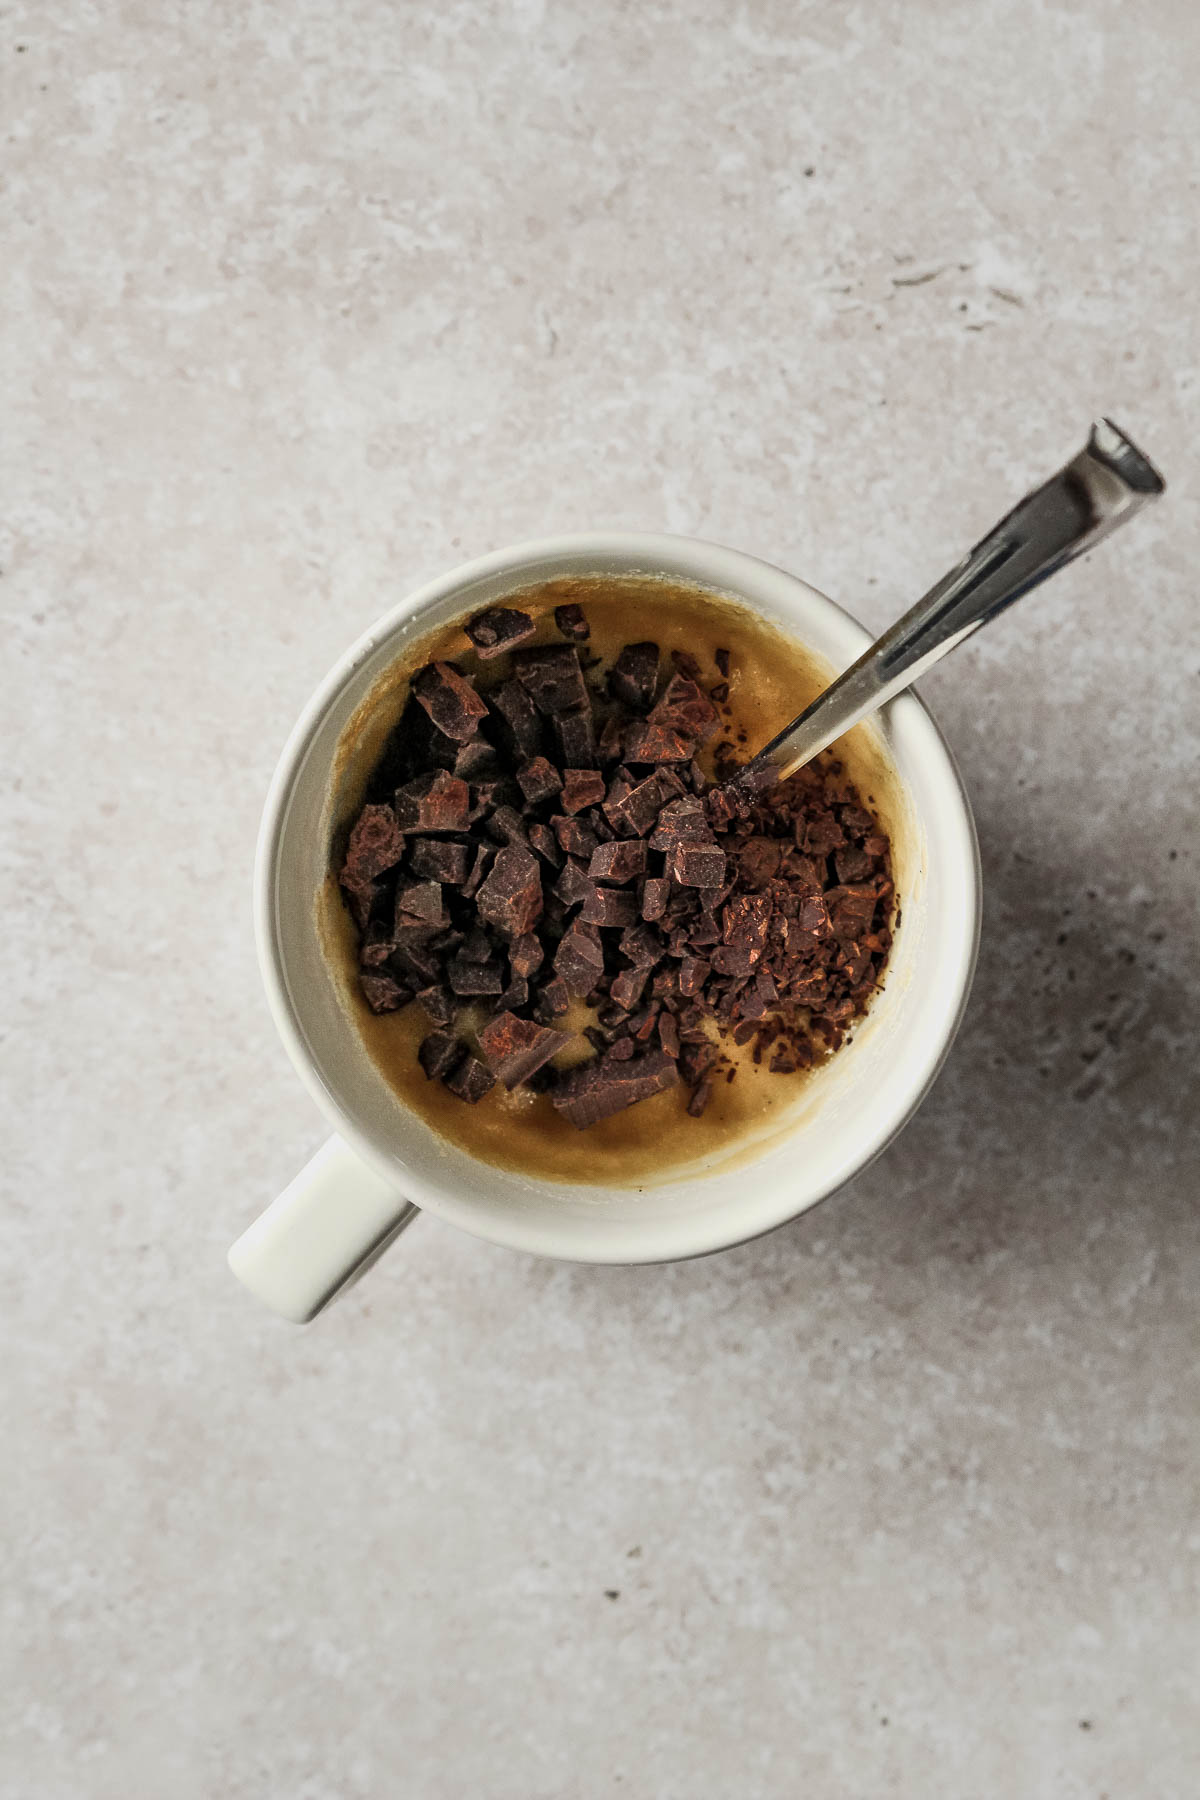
(608, 750)
(618, 861)
(437, 1005)
(642, 945)
(572, 885)
(515, 1047)
(686, 664)
(383, 993)
(683, 819)
(499, 629)
(506, 826)
(377, 944)
(538, 780)
(470, 1081)
(668, 1033)
(700, 1096)
(628, 986)
(572, 623)
(439, 859)
(479, 868)
(696, 1057)
(468, 978)
(576, 838)
(758, 860)
(732, 959)
(744, 922)
(438, 1053)
(721, 658)
(515, 997)
(696, 865)
(552, 677)
(545, 843)
(376, 843)
(415, 954)
(608, 905)
(851, 910)
(596, 1090)
(511, 896)
(451, 702)
(686, 708)
(581, 788)
(853, 863)
(575, 738)
(693, 973)
(655, 892)
(420, 900)
(434, 801)
(634, 814)
(634, 676)
(647, 742)
(579, 959)
(526, 954)
(518, 718)
(476, 760)
(554, 997)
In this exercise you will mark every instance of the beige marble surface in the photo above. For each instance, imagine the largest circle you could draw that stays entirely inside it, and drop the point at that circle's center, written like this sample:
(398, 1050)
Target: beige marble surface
(304, 299)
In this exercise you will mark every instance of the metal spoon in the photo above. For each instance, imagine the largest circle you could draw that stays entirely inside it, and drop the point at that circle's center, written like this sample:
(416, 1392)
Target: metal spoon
(1096, 491)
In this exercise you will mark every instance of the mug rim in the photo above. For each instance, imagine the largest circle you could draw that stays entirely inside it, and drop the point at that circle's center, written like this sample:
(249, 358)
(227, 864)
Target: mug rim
(656, 550)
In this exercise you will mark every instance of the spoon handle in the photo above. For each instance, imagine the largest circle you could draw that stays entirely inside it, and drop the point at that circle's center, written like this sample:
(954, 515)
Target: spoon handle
(1096, 491)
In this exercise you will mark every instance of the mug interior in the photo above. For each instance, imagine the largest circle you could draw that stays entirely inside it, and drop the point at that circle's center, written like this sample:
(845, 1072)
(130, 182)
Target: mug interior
(847, 1109)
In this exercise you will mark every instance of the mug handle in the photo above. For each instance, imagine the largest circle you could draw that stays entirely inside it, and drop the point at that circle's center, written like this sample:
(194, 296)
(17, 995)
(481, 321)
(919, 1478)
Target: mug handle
(328, 1227)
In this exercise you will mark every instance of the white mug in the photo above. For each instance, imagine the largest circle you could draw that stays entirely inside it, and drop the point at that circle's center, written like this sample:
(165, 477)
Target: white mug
(384, 1163)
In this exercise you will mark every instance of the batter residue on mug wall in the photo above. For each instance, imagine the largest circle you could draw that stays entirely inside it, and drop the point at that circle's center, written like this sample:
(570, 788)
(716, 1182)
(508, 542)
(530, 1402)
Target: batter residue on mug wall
(772, 678)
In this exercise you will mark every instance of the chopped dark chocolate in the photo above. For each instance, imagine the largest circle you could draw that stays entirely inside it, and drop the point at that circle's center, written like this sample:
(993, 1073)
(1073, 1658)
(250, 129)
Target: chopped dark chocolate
(420, 900)
(721, 658)
(608, 905)
(450, 701)
(376, 843)
(581, 788)
(499, 629)
(552, 677)
(686, 708)
(469, 978)
(545, 843)
(476, 760)
(415, 954)
(576, 838)
(437, 1004)
(479, 868)
(434, 801)
(572, 623)
(572, 885)
(517, 717)
(506, 826)
(642, 945)
(554, 997)
(579, 959)
(526, 954)
(440, 859)
(382, 992)
(634, 814)
(655, 893)
(696, 865)
(634, 676)
(619, 861)
(628, 986)
(538, 780)
(511, 896)
(647, 742)
(438, 1053)
(515, 1047)
(596, 1090)
(681, 820)
(470, 1081)
(575, 739)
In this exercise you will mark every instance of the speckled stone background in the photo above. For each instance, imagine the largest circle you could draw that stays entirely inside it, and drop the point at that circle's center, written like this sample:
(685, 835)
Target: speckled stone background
(303, 300)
